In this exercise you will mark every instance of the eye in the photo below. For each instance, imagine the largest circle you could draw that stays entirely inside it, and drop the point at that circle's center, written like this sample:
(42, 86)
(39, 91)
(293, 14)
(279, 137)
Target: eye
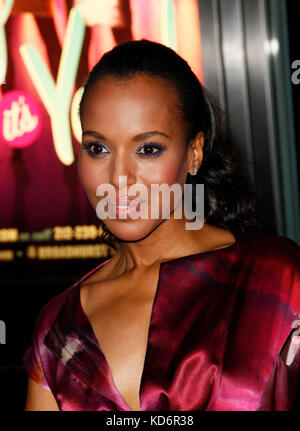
(94, 149)
(150, 150)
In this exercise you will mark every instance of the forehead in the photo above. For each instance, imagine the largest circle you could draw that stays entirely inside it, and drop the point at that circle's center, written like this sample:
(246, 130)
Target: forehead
(141, 99)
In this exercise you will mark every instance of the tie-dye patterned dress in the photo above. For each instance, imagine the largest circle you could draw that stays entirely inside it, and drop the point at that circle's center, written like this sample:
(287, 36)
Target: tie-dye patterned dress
(223, 336)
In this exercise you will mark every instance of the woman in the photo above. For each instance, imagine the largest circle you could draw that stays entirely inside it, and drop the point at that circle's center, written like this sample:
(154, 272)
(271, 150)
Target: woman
(177, 319)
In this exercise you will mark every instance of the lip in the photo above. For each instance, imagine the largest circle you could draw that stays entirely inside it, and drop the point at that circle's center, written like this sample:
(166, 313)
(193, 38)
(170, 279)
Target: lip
(122, 203)
(123, 209)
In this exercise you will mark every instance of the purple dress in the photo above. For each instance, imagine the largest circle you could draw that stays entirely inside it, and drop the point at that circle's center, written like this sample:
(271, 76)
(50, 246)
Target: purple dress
(219, 323)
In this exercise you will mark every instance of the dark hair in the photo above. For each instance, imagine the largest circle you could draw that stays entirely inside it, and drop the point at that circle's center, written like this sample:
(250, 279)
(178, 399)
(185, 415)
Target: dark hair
(229, 198)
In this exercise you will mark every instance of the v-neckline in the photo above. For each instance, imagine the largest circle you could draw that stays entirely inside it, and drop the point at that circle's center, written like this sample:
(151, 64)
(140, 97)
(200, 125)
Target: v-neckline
(148, 346)
(95, 340)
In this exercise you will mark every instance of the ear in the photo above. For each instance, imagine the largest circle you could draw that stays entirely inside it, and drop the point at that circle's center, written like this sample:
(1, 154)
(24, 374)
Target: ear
(196, 152)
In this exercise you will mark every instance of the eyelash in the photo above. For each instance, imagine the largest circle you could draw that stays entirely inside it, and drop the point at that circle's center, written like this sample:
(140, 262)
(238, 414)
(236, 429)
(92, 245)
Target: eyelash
(88, 147)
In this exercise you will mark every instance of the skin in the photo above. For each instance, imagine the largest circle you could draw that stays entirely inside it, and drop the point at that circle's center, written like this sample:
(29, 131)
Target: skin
(141, 99)
(118, 298)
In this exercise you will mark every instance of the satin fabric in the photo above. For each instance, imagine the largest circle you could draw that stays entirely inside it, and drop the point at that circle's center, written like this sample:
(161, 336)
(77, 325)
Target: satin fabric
(219, 322)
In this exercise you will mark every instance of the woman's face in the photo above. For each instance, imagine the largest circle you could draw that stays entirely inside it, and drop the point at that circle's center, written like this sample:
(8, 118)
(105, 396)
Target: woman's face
(132, 130)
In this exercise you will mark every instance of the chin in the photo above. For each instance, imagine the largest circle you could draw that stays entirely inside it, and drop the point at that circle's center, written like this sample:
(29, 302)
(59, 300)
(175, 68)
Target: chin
(132, 230)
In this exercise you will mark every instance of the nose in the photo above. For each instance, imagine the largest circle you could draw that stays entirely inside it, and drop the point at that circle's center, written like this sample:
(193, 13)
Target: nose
(122, 170)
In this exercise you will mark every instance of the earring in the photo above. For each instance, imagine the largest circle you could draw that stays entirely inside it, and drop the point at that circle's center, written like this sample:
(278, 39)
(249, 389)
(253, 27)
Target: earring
(194, 171)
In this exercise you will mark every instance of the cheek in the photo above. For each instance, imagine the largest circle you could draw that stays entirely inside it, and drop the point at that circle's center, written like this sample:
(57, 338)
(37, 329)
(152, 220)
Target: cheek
(90, 180)
(89, 175)
(168, 172)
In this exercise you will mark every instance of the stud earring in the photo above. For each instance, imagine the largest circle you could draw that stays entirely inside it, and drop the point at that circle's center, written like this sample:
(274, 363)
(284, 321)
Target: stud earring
(194, 171)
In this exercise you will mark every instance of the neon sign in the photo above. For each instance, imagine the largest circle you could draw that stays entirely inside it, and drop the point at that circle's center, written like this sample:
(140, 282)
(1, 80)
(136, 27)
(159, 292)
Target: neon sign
(4, 14)
(20, 119)
(57, 96)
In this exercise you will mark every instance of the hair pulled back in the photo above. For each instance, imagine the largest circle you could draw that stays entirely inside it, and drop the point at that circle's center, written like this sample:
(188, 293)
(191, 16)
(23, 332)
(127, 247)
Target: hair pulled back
(229, 198)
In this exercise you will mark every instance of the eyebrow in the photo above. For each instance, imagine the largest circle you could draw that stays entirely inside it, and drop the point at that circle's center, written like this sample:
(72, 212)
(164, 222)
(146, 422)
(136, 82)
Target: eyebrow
(137, 138)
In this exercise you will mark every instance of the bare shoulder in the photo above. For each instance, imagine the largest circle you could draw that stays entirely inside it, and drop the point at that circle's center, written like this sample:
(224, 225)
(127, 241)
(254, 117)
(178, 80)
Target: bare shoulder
(38, 398)
(214, 238)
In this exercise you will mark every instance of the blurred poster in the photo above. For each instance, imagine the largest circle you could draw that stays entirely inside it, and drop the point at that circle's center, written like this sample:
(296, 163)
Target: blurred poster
(46, 51)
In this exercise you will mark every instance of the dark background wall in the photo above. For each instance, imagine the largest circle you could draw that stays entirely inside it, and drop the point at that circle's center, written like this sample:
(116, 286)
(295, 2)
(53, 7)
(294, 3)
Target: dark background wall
(237, 83)
(294, 44)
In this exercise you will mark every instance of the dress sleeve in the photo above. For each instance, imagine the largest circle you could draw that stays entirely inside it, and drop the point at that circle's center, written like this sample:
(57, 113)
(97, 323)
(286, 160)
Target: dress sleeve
(282, 392)
(33, 363)
(38, 360)
(283, 389)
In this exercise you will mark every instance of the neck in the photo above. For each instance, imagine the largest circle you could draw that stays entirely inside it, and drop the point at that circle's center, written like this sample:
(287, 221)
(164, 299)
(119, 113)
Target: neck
(168, 241)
